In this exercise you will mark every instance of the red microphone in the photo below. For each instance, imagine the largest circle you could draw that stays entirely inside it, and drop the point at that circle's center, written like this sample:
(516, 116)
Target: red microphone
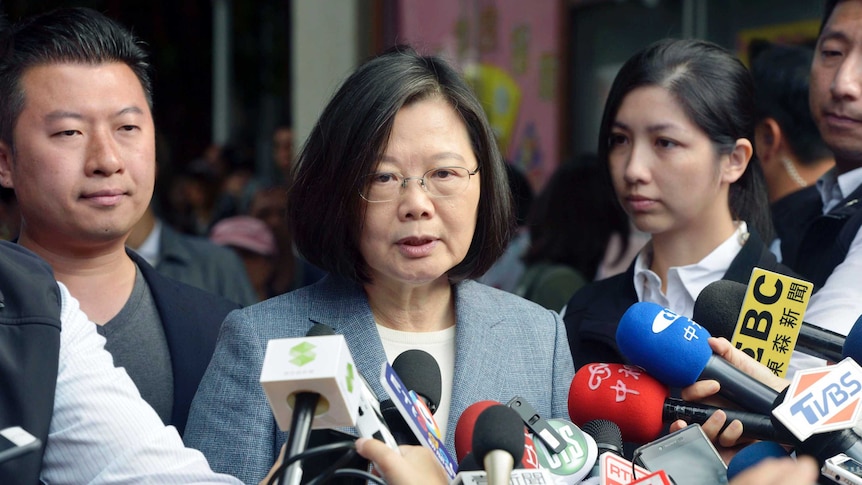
(620, 393)
(640, 405)
(465, 426)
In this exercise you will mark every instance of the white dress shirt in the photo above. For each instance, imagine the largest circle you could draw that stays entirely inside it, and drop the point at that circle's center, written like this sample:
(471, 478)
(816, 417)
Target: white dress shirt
(102, 431)
(684, 283)
(838, 304)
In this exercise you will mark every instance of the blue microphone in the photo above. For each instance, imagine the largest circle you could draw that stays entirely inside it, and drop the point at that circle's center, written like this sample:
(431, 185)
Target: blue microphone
(752, 455)
(674, 349)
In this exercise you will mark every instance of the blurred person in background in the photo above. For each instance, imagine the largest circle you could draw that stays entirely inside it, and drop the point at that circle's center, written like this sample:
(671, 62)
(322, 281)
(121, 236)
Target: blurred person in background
(253, 240)
(292, 271)
(507, 271)
(570, 225)
(194, 260)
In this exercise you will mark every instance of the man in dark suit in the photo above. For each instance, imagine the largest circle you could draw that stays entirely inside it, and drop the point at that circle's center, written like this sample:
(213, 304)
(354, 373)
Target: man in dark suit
(77, 145)
(829, 251)
(787, 142)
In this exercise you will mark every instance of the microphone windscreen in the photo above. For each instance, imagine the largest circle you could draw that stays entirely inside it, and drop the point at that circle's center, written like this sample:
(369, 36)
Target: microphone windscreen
(607, 435)
(319, 330)
(466, 425)
(420, 373)
(752, 455)
(671, 347)
(717, 307)
(397, 424)
(469, 464)
(853, 343)
(498, 428)
(620, 393)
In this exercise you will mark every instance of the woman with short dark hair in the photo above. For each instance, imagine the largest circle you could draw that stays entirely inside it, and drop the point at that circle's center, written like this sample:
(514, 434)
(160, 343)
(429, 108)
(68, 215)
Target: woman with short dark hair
(401, 195)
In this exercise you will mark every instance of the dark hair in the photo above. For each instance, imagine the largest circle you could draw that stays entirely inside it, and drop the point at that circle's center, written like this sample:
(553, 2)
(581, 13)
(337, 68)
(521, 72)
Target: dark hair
(780, 74)
(574, 217)
(716, 92)
(828, 8)
(68, 35)
(325, 211)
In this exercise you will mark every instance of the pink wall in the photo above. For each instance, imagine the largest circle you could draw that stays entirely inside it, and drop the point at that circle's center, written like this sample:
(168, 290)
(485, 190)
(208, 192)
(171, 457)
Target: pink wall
(506, 41)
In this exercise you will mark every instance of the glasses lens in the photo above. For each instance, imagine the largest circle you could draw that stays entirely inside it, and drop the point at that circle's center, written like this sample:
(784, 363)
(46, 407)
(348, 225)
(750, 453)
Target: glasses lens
(447, 181)
(381, 186)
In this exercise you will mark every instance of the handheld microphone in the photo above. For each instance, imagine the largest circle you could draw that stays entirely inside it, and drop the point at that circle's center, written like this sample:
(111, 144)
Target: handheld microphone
(465, 428)
(641, 405)
(717, 309)
(674, 350)
(498, 442)
(853, 344)
(420, 372)
(306, 391)
(418, 418)
(608, 438)
(821, 408)
(752, 455)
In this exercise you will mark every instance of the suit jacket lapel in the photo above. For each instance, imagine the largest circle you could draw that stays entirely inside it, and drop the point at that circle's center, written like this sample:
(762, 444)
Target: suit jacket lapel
(473, 357)
(343, 306)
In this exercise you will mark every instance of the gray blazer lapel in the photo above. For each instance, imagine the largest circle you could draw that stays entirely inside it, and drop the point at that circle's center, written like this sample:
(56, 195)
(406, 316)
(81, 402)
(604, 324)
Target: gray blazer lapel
(343, 306)
(473, 357)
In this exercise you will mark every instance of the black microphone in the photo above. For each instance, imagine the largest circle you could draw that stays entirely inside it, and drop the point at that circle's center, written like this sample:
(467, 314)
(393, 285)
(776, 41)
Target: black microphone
(420, 373)
(608, 438)
(717, 309)
(401, 431)
(498, 442)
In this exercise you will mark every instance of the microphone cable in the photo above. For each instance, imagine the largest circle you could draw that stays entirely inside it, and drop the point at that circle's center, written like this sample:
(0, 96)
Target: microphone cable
(332, 471)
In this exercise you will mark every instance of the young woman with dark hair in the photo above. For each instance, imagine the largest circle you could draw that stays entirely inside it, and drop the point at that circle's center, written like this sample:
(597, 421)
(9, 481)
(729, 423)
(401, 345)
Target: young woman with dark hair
(676, 139)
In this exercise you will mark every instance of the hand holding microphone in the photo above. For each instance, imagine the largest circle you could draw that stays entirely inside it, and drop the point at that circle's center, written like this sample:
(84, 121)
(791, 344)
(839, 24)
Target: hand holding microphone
(403, 468)
(676, 351)
(640, 405)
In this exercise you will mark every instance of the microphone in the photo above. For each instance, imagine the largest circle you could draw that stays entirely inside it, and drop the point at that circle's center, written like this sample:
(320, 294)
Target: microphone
(608, 438)
(641, 405)
(821, 411)
(853, 344)
(420, 372)
(319, 392)
(674, 350)
(418, 418)
(498, 442)
(752, 455)
(717, 309)
(465, 428)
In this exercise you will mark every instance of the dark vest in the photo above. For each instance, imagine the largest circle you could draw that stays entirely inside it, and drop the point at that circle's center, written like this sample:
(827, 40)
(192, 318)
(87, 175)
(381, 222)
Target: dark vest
(827, 240)
(29, 353)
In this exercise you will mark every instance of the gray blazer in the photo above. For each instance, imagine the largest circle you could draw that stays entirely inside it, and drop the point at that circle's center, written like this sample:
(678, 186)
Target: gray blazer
(506, 346)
